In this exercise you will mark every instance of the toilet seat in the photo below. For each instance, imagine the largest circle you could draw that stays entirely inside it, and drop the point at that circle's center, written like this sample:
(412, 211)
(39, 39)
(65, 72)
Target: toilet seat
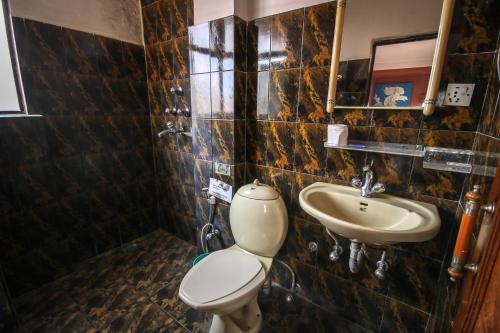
(221, 278)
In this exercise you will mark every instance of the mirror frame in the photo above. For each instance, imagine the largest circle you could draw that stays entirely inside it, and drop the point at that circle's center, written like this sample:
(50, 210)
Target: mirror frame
(429, 104)
(14, 60)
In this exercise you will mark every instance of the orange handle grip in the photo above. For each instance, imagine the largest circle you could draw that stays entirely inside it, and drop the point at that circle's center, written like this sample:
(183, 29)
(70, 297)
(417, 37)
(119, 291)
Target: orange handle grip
(464, 237)
(463, 241)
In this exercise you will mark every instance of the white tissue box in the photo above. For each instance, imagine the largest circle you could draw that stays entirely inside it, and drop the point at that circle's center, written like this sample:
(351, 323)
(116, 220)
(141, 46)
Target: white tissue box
(337, 134)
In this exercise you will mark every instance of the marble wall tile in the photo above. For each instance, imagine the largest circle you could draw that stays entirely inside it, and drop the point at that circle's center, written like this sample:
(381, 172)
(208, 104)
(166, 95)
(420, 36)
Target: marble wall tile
(199, 47)
(110, 56)
(202, 134)
(283, 95)
(280, 138)
(222, 48)
(153, 62)
(134, 61)
(476, 27)
(240, 44)
(181, 57)
(222, 91)
(165, 60)
(164, 20)
(286, 39)
(353, 117)
(227, 141)
(44, 46)
(440, 184)
(313, 94)
(202, 173)
(310, 154)
(150, 23)
(319, 24)
(180, 17)
(399, 317)
(399, 118)
(200, 95)
(259, 44)
(80, 52)
(256, 141)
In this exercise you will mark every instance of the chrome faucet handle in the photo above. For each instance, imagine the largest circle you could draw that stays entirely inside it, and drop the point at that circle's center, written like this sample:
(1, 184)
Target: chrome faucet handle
(378, 188)
(356, 182)
(367, 168)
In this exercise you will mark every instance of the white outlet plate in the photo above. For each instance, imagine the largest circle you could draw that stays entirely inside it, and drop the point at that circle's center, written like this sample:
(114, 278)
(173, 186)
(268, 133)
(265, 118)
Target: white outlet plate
(459, 94)
(222, 169)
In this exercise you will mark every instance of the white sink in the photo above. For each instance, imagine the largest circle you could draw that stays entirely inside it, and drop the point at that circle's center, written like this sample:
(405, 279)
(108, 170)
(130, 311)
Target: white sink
(382, 219)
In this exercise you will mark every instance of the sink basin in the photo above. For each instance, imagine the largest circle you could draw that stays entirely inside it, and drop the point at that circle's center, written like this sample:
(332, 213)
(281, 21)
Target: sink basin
(383, 219)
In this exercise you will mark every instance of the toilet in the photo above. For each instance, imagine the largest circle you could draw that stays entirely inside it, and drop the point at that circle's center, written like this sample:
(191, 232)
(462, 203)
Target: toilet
(227, 282)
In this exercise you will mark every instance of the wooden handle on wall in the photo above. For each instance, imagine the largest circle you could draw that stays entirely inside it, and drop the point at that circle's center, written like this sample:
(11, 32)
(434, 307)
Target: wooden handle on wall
(439, 57)
(462, 244)
(334, 67)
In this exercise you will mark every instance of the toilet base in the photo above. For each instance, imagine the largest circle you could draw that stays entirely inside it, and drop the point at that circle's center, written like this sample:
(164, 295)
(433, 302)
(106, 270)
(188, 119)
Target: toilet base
(247, 319)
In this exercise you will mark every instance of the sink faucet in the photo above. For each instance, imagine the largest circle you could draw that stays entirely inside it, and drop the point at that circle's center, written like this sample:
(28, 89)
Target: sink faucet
(365, 185)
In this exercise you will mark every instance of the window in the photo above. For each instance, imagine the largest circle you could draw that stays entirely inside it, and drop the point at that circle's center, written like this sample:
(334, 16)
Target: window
(11, 89)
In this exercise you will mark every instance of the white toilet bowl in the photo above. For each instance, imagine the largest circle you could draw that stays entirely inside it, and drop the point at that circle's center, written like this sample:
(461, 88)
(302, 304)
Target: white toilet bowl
(227, 282)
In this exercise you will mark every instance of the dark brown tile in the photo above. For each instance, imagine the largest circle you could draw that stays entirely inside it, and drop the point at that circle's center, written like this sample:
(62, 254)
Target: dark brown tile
(280, 138)
(283, 95)
(310, 153)
(179, 14)
(227, 141)
(319, 26)
(399, 317)
(202, 144)
(200, 95)
(397, 118)
(152, 62)
(477, 29)
(259, 44)
(199, 44)
(164, 20)
(149, 18)
(353, 117)
(256, 141)
(440, 184)
(45, 46)
(223, 94)
(313, 94)
(447, 139)
(181, 57)
(222, 49)
(286, 39)
(165, 60)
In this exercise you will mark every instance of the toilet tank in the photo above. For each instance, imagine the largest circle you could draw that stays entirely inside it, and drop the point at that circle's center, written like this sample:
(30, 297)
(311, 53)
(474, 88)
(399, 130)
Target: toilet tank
(259, 220)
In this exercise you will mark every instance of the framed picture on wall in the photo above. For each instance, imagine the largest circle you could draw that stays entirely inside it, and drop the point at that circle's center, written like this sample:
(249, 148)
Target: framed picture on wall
(392, 94)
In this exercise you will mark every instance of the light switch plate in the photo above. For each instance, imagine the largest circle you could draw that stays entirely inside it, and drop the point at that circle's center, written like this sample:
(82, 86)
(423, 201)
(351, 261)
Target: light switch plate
(459, 94)
(222, 169)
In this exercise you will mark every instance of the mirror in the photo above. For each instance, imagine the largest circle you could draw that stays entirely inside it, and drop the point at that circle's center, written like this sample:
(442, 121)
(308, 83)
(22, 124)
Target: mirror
(387, 51)
(11, 97)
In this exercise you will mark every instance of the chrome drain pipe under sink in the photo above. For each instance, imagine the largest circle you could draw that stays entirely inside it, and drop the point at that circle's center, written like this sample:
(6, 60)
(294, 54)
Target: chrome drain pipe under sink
(356, 256)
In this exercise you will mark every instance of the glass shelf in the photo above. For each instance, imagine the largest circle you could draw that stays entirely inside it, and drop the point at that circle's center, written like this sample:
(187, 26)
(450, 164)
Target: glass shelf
(436, 158)
(381, 147)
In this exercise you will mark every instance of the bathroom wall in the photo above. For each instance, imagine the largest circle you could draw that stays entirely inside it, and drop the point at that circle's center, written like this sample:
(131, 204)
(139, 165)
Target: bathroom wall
(285, 123)
(119, 19)
(79, 180)
(167, 56)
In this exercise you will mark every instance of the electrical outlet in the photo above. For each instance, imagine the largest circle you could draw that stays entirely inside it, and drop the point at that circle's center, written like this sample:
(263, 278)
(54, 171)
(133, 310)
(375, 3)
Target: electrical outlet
(459, 94)
(222, 169)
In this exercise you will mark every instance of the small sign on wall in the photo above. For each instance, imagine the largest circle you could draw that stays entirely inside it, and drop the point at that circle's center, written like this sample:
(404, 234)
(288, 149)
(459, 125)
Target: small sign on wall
(220, 190)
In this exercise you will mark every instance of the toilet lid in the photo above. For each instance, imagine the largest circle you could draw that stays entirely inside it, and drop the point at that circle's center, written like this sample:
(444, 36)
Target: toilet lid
(220, 274)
